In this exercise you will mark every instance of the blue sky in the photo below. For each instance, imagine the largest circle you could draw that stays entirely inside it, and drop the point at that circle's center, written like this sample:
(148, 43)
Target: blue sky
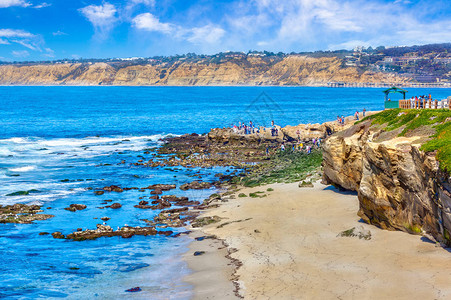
(55, 29)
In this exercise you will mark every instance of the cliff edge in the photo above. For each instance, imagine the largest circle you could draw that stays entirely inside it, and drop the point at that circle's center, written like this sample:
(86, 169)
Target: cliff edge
(399, 163)
(248, 70)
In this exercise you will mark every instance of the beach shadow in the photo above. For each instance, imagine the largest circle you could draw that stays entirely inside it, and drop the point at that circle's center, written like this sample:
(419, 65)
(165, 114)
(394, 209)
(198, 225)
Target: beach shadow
(340, 191)
(426, 240)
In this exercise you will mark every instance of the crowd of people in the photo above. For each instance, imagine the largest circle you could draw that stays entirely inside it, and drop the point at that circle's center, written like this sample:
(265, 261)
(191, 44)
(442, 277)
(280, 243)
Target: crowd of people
(251, 128)
(341, 120)
(301, 146)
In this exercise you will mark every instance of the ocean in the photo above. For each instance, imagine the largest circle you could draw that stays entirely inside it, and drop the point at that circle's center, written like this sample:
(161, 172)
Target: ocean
(62, 141)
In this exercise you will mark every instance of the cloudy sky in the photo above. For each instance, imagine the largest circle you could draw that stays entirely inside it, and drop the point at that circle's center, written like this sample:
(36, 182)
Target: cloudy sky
(54, 29)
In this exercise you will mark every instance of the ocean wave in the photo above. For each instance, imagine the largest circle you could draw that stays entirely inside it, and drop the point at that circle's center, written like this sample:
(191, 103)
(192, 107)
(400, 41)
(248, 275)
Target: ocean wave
(23, 169)
(26, 146)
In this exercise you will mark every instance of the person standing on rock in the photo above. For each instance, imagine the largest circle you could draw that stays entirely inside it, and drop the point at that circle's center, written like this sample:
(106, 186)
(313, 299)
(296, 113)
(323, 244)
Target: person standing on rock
(364, 111)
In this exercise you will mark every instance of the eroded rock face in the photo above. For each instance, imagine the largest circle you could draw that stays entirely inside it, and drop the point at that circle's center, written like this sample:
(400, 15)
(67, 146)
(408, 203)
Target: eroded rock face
(247, 70)
(399, 187)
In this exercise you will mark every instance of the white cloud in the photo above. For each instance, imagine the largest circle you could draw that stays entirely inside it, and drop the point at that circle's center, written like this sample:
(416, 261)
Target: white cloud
(9, 3)
(22, 53)
(103, 18)
(149, 22)
(49, 53)
(207, 34)
(15, 33)
(150, 3)
(26, 44)
(42, 5)
(57, 33)
(302, 25)
(24, 38)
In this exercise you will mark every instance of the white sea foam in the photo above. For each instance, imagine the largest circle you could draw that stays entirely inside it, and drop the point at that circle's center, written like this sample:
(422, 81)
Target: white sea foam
(23, 169)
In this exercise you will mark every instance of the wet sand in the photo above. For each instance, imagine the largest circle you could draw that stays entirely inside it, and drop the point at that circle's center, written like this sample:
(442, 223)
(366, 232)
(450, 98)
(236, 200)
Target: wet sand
(289, 249)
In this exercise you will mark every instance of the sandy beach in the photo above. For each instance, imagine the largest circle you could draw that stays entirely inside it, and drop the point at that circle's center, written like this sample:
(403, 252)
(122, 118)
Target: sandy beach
(289, 245)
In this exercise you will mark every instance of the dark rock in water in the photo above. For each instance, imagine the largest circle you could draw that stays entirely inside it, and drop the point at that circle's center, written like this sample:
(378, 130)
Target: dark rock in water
(180, 201)
(143, 206)
(104, 218)
(134, 290)
(143, 202)
(43, 233)
(197, 253)
(163, 187)
(154, 197)
(58, 235)
(79, 229)
(175, 210)
(107, 231)
(75, 207)
(99, 193)
(21, 214)
(115, 206)
(196, 185)
(113, 188)
(156, 192)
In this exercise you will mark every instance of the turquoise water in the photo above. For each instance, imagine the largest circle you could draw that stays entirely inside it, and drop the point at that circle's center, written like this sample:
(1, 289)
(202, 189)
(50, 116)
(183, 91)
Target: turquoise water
(50, 134)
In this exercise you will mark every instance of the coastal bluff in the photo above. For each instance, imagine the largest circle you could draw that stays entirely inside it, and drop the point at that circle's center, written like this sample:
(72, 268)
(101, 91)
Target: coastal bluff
(247, 71)
(400, 185)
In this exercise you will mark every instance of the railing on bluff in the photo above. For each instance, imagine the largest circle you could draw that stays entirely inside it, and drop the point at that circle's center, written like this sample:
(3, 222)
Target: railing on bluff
(419, 104)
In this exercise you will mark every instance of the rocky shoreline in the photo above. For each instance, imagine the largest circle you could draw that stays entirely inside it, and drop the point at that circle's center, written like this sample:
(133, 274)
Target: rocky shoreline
(386, 170)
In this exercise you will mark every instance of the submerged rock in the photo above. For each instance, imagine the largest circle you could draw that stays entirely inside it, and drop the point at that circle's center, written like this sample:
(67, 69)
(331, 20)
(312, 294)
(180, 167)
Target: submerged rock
(115, 206)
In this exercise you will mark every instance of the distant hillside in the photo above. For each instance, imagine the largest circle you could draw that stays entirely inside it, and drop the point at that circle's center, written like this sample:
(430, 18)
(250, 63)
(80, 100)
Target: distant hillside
(223, 69)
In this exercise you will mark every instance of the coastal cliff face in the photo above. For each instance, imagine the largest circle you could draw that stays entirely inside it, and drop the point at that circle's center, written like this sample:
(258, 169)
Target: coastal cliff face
(289, 70)
(399, 186)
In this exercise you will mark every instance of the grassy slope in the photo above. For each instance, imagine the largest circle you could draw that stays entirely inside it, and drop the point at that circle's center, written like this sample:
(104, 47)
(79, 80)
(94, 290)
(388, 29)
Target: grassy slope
(286, 166)
(440, 120)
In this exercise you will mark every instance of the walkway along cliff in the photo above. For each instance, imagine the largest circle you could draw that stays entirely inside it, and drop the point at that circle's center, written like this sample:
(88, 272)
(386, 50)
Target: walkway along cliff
(398, 162)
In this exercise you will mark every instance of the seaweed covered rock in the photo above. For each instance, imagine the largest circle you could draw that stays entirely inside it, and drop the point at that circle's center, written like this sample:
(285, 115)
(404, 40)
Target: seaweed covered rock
(22, 214)
(196, 185)
(107, 231)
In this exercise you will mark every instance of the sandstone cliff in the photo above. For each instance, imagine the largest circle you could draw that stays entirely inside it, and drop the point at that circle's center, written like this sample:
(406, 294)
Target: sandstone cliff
(400, 187)
(289, 70)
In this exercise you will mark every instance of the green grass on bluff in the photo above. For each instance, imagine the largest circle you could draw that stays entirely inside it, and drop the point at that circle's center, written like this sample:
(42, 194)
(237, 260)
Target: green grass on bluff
(439, 120)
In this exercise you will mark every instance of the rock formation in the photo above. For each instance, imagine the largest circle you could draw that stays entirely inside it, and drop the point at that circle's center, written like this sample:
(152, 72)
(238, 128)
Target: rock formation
(288, 70)
(399, 186)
